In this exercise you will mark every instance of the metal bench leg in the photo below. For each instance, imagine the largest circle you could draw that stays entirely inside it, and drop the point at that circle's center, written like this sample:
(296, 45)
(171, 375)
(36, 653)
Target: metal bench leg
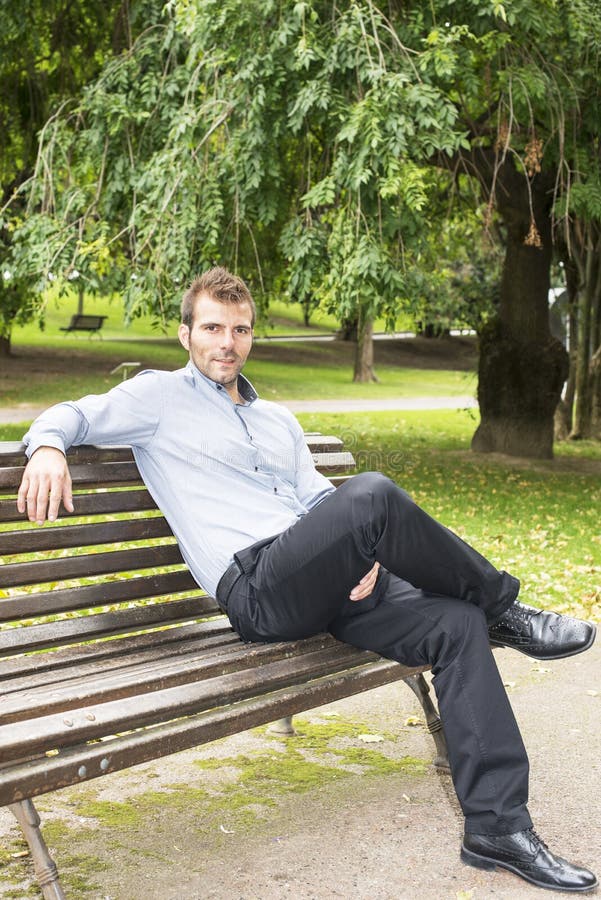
(43, 865)
(421, 689)
(282, 726)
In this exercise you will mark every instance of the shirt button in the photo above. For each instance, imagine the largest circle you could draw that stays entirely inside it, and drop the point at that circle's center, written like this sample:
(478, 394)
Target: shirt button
(256, 468)
(275, 490)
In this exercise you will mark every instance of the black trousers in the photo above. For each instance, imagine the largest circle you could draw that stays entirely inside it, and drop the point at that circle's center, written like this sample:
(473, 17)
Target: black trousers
(432, 604)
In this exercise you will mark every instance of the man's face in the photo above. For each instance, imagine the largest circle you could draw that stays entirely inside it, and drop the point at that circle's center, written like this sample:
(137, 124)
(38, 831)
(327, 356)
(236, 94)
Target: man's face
(219, 340)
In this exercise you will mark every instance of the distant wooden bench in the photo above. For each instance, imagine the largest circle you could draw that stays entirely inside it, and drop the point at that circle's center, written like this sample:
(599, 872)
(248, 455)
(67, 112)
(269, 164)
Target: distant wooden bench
(75, 705)
(84, 323)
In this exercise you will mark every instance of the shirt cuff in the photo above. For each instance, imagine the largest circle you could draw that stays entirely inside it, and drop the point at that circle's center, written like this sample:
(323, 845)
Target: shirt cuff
(48, 440)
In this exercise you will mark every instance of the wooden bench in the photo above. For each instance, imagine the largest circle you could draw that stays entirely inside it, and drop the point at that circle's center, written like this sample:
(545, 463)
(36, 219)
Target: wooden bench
(110, 655)
(80, 322)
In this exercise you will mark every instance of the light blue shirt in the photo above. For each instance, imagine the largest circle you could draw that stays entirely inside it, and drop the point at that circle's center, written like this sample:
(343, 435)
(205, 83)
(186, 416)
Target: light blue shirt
(224, 474)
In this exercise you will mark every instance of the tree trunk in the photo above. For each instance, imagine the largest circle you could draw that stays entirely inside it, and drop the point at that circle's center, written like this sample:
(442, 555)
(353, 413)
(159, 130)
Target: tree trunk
(564, 414)
(364, 353)
(595, 372)
(5, 349)
(586, 405)
(522, 368)
(582, 412)
(348, 329)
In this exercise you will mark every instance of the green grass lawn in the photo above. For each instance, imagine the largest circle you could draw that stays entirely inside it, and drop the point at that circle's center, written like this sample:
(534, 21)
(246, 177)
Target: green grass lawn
(539, 520)
(73, 366)
(49, 365)
(281, 318)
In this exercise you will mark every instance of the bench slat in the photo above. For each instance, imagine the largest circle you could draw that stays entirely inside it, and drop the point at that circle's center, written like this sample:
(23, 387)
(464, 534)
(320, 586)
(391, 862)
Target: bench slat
(151, 675)
(67, 666)
(48, 603)
(43, 665)
(100, 502)
(93, 474)
(90, 627)
(13, 452)
(39, 571)
(81, 763)
(19, 739)
(61, 537)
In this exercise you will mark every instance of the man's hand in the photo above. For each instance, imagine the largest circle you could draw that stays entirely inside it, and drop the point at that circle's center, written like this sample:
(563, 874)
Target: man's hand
(366, 585)
(46, 481)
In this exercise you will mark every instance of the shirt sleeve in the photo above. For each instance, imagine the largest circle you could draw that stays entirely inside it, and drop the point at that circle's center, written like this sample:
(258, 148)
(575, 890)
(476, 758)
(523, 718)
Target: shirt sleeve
(311, 486)
(127, 414)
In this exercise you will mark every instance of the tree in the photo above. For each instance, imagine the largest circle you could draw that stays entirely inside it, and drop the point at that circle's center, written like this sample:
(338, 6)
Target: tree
(48, 50)
(306, 137)
(212, 140)
(528, 133)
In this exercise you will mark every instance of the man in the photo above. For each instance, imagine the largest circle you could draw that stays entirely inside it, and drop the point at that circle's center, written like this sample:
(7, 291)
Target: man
(288, 556)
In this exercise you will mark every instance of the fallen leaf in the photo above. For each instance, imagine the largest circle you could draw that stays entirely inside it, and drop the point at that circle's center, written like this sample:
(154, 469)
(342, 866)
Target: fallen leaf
(226, 830)
(593, 693)
(20, 854)
(405, 797)
(370, 738)
(414, 720)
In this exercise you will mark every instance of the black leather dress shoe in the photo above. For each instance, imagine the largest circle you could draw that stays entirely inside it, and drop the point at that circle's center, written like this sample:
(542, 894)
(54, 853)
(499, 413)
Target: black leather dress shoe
(524, 854)
(541, 634)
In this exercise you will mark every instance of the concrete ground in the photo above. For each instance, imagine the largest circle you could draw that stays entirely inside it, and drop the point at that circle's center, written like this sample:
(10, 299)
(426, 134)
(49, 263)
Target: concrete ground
(219, 823)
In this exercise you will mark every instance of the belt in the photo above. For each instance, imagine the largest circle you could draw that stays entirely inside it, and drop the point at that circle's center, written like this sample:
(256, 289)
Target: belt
(226, 583)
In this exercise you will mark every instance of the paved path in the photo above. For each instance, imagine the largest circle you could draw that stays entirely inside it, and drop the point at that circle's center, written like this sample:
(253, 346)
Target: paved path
(390, 403)
(25, 412)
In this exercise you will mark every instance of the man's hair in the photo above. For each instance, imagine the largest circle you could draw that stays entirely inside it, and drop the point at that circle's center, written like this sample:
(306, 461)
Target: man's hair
(220, 285)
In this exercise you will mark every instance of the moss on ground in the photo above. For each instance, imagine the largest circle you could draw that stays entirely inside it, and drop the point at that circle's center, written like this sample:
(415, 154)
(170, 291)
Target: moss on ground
(320, 754)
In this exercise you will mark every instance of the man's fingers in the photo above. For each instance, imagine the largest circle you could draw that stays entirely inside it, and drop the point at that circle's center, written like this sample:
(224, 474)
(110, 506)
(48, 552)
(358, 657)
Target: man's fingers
(46, 481)
(366, 585)
(22, 495)
(35, 502)
(55, 500)
(68, 493)
(41, 501)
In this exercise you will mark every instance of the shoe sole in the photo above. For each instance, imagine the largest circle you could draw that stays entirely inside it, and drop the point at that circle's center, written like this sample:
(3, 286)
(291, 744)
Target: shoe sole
(485, 862)
(586, 646)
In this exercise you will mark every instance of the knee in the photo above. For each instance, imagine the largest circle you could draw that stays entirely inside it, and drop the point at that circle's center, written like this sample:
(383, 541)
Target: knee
(377, 485)
(462, 629)
(466, 620)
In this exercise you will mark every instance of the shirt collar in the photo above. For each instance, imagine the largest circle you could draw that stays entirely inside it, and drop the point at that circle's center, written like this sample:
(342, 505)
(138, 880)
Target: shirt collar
(245, 388)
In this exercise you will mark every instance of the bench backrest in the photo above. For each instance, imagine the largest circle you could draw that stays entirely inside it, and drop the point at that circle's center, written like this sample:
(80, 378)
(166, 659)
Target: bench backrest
(85, 321)
(112, 567)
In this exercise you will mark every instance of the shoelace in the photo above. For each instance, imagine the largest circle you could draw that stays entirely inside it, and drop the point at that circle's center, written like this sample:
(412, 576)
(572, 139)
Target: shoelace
(536, 837)
(525, 613)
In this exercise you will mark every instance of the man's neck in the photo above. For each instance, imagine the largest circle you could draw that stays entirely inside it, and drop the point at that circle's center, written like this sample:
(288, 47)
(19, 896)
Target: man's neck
(233, 392)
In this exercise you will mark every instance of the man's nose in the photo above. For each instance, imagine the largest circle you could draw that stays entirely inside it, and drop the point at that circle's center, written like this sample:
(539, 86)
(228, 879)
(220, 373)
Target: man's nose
(227, 339)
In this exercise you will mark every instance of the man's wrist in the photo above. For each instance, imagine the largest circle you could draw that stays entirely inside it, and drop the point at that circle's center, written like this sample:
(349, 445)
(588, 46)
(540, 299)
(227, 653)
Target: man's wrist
(47, 444)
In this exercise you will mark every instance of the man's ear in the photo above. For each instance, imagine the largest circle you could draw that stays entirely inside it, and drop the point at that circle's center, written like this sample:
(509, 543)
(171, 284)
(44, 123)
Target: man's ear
(183, 333)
